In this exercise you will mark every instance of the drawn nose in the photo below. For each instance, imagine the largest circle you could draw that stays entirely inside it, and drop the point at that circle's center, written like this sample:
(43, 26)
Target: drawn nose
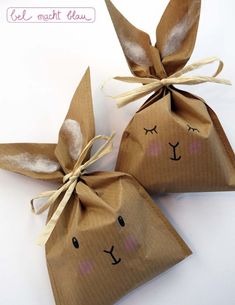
(174, 146)
(115, 260)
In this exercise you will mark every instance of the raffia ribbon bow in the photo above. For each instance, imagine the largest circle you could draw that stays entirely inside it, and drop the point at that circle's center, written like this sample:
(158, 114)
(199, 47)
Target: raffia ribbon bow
(69, 184)
(153, 84)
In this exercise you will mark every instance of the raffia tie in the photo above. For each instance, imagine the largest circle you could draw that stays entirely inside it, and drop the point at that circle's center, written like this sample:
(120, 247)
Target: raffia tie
(152, 84)
(69, 184)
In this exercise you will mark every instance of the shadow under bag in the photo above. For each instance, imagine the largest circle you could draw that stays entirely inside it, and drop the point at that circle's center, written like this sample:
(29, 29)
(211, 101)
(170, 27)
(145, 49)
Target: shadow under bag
(104, 236)
(175, 142)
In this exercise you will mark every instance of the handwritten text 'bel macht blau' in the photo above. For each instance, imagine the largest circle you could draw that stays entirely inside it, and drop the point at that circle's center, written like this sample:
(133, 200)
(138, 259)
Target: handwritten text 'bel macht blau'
(47, 15)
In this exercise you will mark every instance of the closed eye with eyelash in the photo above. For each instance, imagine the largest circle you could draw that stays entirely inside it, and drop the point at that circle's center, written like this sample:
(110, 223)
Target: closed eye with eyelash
(192, 129)
(152, 131)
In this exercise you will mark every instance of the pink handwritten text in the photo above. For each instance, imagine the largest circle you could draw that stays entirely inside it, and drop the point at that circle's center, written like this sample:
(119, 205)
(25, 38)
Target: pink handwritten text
(51, 14)
(19, 16)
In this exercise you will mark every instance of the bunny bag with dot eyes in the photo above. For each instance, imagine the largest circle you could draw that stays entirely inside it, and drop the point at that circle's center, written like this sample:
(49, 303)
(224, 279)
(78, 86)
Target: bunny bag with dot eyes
(110, 238)
(175, 142)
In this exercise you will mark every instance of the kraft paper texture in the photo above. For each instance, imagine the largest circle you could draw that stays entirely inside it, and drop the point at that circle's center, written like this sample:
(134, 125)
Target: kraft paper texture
(175, 142)
(110, 237)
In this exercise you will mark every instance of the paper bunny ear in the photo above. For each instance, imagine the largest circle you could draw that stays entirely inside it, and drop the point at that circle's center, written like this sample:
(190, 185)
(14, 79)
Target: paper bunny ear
(78, 127)
(33, 160)
(177, 32)
(135, 43)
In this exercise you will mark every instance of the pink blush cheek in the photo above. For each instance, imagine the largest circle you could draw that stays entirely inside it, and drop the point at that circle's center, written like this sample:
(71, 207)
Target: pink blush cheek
(86, 267)
(195, 147)
(154, 149)
(131, 244)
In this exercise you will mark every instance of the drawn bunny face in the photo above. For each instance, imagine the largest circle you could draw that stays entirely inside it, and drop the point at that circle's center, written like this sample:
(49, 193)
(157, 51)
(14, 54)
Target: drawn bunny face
(156, 146)
(173, 135)
(176, 151)
(114, 248)
(128, 244)
(113, 242)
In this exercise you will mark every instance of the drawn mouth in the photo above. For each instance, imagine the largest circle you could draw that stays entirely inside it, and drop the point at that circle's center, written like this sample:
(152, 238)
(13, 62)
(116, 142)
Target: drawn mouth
(175, 157)
(115, 260)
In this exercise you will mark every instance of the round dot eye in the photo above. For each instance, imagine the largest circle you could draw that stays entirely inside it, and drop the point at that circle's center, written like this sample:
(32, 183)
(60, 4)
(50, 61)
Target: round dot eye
(75, 242)
(121, 221)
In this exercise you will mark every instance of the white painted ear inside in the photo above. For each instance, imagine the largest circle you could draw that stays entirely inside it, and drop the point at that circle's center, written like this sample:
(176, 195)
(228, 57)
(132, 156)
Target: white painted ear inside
(179, 32)
(33, 163)
(71, 131)
(134, 51)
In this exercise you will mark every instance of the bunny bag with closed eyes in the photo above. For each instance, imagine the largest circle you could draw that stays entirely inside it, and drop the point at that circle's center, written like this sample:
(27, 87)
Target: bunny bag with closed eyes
(104, 236)
(175, 142)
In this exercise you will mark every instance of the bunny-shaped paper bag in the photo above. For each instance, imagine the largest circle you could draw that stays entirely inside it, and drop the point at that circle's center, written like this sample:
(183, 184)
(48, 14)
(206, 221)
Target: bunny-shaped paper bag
(175, 142)
(104, 235)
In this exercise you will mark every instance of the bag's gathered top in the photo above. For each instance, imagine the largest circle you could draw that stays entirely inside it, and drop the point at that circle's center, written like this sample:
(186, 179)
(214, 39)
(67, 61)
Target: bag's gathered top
(69, 184)
(179, 78)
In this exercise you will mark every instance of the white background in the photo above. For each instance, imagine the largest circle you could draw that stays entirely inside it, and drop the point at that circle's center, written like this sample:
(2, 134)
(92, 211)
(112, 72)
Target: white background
(40, 67)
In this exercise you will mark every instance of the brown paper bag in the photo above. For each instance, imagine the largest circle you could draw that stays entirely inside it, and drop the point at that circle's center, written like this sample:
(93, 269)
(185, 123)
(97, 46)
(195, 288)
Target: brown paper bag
(175, 142)
(110, 239)
(104, 235)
